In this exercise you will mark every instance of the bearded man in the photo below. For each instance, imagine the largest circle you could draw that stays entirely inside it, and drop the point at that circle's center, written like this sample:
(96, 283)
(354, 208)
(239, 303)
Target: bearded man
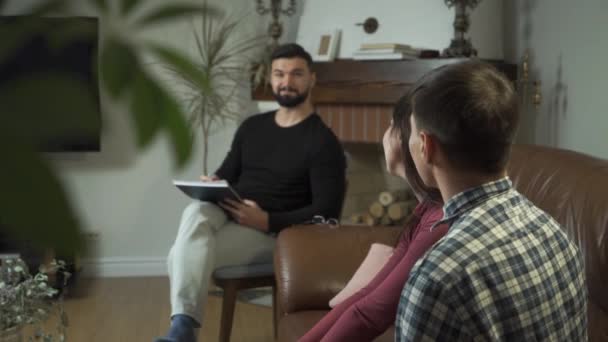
(288, 167)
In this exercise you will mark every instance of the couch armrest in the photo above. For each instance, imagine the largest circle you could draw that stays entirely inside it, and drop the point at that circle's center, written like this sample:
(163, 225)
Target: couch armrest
(313, 263)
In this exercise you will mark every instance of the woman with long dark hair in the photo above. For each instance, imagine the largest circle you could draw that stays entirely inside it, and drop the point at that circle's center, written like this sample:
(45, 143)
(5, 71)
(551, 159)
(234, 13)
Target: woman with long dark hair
(369, 312)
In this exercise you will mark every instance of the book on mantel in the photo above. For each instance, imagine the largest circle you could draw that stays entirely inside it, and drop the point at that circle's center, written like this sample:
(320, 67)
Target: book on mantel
(382, 56)
(397, 55)
(392, 51)
(384, 46)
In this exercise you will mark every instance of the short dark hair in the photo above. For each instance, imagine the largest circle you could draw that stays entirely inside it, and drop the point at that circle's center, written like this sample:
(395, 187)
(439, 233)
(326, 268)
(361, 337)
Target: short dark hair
(291, 50)
(472, 109)
(402, 127)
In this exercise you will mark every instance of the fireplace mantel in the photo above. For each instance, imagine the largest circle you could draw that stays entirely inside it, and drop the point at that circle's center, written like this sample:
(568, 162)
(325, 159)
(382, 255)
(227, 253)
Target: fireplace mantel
(355, 98)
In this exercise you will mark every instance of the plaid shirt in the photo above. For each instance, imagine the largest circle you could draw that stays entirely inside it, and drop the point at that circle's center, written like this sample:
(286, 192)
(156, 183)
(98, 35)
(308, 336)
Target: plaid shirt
(505, 271)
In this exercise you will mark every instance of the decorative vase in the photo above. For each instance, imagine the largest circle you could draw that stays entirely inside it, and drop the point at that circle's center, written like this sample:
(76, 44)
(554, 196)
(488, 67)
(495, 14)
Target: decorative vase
(13, 334)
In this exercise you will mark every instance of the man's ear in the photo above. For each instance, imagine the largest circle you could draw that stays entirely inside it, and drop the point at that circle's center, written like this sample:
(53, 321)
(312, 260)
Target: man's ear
(313, 79)
(428, 147)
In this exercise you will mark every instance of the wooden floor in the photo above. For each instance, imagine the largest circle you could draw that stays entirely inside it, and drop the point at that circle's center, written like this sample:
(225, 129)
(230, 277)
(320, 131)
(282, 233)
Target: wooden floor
(137, 309)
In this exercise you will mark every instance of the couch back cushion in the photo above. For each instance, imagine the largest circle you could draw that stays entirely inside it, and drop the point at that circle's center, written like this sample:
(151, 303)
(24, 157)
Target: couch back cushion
(573, 188)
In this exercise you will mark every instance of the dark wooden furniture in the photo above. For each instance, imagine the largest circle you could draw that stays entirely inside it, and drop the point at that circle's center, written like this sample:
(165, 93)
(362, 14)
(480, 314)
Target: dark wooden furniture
(232, 279)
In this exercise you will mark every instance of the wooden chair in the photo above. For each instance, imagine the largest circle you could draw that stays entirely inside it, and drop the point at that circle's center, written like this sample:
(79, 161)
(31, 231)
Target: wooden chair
(232, 279)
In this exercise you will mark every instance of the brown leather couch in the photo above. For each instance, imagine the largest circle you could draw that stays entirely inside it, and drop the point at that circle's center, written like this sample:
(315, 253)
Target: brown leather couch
(313, 263)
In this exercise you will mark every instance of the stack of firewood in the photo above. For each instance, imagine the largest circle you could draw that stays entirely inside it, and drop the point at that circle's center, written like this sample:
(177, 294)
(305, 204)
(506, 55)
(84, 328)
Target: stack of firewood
(391, 208)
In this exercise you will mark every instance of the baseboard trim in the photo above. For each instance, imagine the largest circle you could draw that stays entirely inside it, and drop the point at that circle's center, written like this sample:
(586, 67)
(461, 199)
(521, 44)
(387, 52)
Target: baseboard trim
(124, 267)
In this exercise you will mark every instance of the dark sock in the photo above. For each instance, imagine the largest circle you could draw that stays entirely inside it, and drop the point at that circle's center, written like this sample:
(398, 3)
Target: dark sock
(182, 329)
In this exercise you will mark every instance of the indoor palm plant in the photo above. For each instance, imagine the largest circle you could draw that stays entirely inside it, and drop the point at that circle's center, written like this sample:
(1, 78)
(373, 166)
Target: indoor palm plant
(225, 55)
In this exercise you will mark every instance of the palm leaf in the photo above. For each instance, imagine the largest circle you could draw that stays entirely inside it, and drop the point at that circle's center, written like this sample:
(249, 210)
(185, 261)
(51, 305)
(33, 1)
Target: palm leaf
(118, 63)
(184, 66)
(127, 6)
(101, 5)
(48, 6)
(223, 58)
(176, 11)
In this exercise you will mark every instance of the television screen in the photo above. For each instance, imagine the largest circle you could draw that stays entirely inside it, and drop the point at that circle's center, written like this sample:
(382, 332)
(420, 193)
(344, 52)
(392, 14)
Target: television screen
(48, 81)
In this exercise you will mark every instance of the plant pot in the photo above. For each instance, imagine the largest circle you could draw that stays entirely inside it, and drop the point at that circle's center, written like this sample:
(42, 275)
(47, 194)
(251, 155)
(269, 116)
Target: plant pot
(13, 334)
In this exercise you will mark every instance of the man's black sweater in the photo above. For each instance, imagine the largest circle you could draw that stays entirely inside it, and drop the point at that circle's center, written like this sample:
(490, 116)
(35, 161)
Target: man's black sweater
(293, 172)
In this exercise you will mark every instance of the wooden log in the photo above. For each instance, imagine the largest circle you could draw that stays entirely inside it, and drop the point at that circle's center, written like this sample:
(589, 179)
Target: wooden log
(385, 220)
(369, 220)
(387, 198)
(376, 210)
(400, 210)
(356, 218)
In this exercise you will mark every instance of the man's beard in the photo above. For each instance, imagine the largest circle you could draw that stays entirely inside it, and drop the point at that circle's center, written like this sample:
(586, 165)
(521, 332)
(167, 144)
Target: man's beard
(288, 100)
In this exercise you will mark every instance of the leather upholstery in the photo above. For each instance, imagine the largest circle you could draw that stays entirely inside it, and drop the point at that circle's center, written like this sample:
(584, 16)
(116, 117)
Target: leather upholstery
(313, 263)
(573, 188)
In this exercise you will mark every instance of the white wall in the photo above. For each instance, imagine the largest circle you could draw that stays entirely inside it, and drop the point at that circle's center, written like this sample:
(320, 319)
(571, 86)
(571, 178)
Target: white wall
(569, 49)
(420, 23)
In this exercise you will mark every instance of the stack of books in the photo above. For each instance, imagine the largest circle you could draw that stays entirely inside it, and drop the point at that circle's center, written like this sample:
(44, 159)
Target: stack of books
(383, 51)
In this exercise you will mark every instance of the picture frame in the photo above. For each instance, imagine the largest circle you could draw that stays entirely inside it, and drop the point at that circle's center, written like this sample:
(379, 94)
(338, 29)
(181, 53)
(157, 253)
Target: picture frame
(323, 46)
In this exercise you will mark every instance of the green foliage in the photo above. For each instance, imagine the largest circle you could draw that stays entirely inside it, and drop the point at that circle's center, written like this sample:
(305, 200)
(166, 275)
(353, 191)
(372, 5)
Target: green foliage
(32, 200)
(147, 105)
(33, 204)
(175, 11)
(128, 5)
(196, 76)
(49, 6)
(25, 298)
(118, 66)
(155, 108)
(101, 5)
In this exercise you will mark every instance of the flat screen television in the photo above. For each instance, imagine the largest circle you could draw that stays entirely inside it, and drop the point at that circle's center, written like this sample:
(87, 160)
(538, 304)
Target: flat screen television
(74, 57)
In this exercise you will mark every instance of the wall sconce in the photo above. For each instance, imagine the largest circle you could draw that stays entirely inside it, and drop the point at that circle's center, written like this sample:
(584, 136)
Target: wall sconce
(461, 47)
(524, 82)
(275, 29)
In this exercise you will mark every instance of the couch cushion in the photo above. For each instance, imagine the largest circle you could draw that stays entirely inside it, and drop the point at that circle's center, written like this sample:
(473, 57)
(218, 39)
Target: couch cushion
(295, 325)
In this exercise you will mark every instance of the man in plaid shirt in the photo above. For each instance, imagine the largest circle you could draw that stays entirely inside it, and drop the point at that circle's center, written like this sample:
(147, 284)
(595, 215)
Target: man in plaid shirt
(505, 271)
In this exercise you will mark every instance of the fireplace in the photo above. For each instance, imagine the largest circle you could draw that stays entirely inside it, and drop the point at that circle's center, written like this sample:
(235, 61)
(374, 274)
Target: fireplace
(356, 123)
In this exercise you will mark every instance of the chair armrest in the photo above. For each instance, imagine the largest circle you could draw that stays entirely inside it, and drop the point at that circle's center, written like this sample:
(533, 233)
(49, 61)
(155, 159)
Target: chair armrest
(313, 263)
